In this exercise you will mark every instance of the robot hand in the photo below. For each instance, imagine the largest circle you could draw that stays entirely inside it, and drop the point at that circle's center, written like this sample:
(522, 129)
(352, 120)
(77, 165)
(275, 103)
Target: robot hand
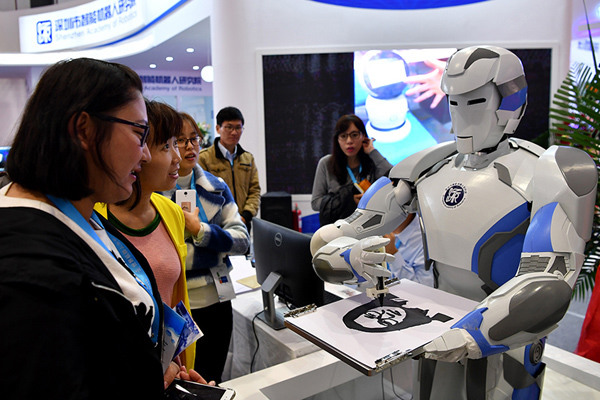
(348, 260)
(367, 257)
(454, 345)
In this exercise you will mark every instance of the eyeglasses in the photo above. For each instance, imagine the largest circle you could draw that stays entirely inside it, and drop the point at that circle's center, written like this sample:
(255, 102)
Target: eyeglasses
(144, 128)
(231, 128)
(183, 142)
(342, 137)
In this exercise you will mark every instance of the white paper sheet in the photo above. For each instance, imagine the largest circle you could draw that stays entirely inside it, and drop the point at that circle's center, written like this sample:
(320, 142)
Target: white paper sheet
(242, 268)
(422, 302)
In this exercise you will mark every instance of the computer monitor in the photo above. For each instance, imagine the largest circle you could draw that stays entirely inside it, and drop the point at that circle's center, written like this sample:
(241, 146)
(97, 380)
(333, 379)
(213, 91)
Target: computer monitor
(284, 267)
(3, 154)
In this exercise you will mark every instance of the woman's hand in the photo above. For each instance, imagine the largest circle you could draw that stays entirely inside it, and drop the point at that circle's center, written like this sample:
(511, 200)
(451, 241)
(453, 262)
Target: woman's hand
(193, 376)
(171, 373)
(368, 145)
(192, 221)
(357, 198)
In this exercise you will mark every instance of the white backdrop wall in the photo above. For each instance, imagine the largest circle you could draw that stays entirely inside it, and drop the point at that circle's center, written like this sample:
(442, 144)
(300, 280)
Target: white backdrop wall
(243, 30)
(12, 101)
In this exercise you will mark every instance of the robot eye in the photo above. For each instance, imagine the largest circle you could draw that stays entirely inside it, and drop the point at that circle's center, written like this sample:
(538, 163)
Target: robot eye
(453, 102)
(476, 101)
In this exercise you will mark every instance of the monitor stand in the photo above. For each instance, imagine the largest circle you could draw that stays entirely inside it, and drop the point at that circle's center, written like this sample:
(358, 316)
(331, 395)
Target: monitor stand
(269, 315)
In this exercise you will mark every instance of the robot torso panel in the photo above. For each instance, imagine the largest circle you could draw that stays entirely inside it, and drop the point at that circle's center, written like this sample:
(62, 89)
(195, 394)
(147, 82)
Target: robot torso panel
(475, 220)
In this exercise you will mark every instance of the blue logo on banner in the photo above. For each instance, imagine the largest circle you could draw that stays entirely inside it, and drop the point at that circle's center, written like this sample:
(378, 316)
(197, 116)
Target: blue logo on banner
(44, 32)
(454, 195)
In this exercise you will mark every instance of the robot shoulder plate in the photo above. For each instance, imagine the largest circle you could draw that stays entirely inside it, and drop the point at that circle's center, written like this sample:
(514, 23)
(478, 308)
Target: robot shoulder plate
(413, 166)
(567, 176)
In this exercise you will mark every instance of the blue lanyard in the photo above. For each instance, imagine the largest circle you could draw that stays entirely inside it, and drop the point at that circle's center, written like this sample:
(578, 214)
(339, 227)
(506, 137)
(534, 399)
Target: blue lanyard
(201, 212)
(351, 174)
(139, 274)
(132, 263)
(70, 211)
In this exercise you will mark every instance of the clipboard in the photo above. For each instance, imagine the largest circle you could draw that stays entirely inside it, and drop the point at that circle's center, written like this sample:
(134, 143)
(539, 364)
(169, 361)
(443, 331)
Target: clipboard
(358, 331)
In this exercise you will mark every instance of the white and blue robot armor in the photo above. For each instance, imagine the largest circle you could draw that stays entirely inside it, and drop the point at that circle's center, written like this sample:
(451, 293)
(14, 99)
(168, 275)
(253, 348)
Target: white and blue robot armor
(504, 222)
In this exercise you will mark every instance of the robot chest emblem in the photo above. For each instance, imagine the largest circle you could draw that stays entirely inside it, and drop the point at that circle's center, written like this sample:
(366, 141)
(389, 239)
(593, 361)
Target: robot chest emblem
(454, 195)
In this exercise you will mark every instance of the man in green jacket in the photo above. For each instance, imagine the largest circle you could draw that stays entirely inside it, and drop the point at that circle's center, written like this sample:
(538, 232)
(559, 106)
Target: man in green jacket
(228, 160)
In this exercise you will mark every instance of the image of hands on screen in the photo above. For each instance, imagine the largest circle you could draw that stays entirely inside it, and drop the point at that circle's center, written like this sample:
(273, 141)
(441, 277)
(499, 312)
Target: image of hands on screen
(398, 96)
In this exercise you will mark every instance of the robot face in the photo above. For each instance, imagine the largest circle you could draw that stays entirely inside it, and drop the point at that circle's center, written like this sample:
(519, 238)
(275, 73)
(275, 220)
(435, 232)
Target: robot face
(487, 73)
(474, 118)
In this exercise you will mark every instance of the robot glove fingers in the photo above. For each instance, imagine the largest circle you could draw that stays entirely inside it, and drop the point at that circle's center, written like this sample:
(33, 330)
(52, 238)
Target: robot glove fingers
(376, 270)
(373, 243)
(454, 345)
(370, 257)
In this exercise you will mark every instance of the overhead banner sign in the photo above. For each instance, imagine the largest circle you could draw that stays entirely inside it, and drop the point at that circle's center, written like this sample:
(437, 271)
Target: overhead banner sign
(91, 24)
(174, 83)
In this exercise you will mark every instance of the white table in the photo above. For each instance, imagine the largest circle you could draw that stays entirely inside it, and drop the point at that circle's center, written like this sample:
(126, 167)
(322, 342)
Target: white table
(274, 347)
(321, 376)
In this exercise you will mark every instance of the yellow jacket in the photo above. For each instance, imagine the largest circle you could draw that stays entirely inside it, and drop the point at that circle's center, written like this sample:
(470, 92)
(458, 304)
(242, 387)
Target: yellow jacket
(172, 216)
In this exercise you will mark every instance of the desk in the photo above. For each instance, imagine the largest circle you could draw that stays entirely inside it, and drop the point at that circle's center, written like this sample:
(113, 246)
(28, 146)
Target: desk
(321, 376)
(274, 347)
(289, 367)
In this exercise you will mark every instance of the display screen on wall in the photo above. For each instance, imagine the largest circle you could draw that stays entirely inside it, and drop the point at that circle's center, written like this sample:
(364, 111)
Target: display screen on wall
(305, 94)
(395, 95)
(402, 121)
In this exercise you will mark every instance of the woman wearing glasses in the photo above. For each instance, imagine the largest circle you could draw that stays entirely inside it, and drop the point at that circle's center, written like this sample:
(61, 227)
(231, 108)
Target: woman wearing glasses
(220, 232)
(343, 175)
(76, 323)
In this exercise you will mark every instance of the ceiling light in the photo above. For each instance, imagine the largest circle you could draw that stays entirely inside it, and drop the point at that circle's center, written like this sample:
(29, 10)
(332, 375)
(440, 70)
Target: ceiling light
(189, 50)
(152, 66)
(195, 68)
(169, 58)
(207, 73)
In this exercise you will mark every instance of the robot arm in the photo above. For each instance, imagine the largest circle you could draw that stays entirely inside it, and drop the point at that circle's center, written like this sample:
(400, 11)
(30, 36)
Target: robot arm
(349, 261)
(383, 207)
(347, 251)
(530, 305)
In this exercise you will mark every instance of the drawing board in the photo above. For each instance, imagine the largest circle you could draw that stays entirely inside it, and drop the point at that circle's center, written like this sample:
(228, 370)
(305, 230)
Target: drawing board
(370, 337)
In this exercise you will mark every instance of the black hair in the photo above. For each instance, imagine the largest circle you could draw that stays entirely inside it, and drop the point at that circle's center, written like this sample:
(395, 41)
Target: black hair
(46, 155)
(187, 117)
(229, 114)
(339, 161)
(165, 122)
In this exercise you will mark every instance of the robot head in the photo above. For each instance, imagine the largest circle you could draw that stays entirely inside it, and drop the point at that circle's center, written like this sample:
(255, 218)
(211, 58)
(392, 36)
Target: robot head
(487, 94)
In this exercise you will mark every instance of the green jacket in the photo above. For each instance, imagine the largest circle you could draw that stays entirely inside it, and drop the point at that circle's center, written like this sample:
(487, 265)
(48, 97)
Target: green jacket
(241, 177)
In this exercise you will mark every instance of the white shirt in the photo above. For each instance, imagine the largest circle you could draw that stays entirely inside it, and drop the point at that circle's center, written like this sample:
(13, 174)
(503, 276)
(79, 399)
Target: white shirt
(227, 154)
(410, 259)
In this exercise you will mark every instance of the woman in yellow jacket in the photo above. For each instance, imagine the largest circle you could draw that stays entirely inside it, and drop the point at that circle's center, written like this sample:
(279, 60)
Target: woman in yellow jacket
(154, 224)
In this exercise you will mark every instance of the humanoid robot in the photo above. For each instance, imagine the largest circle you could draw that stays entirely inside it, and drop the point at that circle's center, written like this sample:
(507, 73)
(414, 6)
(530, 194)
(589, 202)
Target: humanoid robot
(504, 223)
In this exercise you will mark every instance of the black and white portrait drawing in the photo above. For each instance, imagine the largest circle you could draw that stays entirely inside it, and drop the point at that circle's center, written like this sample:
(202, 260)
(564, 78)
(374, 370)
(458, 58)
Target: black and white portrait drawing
(393, 315)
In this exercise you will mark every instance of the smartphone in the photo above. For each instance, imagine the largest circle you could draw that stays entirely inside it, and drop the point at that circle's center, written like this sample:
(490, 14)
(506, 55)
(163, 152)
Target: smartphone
(186, 199)
(191, 390)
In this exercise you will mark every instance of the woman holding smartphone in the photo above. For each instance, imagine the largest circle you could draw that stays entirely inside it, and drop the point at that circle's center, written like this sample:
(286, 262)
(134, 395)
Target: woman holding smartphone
(155, 225)
(221, 232)
(343, 175)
